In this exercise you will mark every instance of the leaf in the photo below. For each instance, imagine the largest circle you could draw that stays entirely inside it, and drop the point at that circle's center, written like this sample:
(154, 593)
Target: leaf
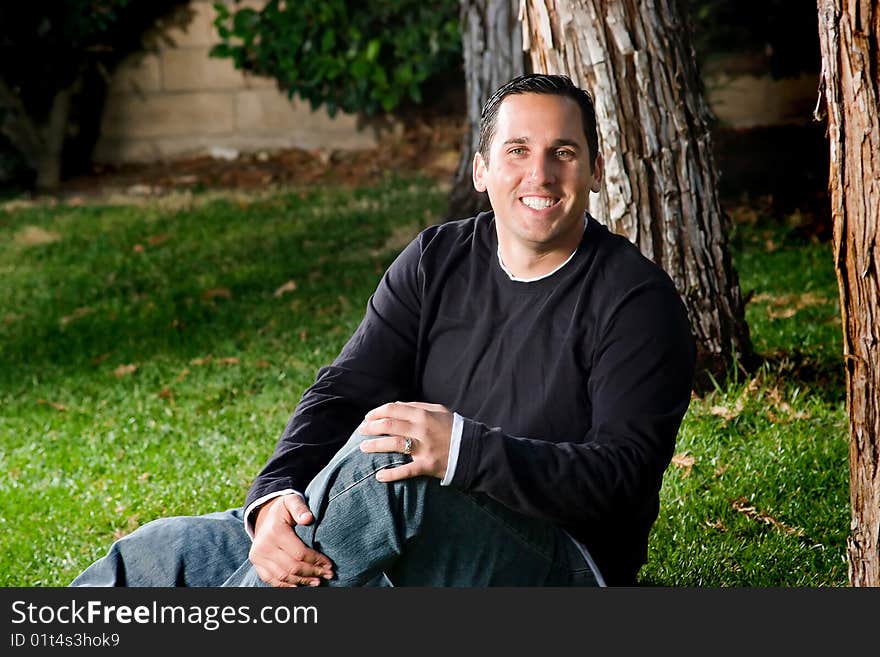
(35, 236)
(685, 462)
(216, 293)
(156, 240)
(289, 286)
(76, 314)
(230, 360)
(742, 505)
(55, 405)
(124, 370)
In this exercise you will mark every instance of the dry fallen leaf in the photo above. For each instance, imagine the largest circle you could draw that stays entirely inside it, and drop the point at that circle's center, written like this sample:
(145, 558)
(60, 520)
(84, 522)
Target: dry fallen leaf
(97, 360)
(717, 524)
(55, 405)
(76, 314)
(742, 505)
(230, 360)
(183, 374)
(124, 370)
(138, 248)
(216, 293)
(784, 306)
(198, 362)
(35, 236)
(289, 286)
(263, 364)
(685, 462)
(156, 240)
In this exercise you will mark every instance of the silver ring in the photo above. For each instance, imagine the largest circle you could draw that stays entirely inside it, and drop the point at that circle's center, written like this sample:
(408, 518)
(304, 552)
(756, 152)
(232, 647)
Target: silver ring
(407, 446)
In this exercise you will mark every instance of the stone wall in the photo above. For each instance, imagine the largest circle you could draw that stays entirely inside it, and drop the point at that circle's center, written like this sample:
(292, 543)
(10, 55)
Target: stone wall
(174, 101)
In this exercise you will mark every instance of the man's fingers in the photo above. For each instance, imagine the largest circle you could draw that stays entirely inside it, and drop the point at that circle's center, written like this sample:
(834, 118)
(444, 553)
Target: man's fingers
(386, 426)
(385, 444)
(425, 406)
(274, 574)
(298, 509)
(394, 410)
(407, 471)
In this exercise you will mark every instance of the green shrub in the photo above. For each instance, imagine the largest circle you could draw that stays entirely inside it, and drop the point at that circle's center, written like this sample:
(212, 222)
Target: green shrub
(341, 53)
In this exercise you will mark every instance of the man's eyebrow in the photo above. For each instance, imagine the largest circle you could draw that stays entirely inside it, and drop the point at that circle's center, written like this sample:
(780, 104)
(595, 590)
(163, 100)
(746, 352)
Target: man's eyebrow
(555, 144)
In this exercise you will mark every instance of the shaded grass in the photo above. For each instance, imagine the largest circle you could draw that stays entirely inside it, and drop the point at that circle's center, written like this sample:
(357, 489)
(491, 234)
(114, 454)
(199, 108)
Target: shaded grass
(766, 501)
(151, 357)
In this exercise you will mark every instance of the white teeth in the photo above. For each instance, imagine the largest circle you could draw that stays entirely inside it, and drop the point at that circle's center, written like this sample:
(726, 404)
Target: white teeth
(538, 202)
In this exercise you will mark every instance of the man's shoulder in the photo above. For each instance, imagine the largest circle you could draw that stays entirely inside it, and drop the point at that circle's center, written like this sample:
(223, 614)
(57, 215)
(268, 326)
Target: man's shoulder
(457, 230)
(617, 254)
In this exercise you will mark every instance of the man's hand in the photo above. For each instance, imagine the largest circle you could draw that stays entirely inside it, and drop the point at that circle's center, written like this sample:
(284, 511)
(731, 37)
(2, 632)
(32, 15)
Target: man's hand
(428, 426)
(279, 556)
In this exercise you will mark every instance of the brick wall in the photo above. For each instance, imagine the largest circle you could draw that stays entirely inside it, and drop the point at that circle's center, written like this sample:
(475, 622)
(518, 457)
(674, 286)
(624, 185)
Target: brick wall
(176, 101)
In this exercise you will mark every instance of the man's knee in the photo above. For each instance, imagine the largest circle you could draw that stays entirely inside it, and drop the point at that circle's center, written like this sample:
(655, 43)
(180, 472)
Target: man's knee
(352, 467)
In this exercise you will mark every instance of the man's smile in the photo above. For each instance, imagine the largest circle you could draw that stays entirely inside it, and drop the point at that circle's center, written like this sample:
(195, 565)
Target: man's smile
(539, 202)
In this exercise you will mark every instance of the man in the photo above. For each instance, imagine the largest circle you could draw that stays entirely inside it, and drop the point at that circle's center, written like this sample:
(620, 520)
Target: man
(515, 389)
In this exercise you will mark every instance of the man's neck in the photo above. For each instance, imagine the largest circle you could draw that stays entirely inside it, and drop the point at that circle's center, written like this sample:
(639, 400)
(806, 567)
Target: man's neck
(525, 263)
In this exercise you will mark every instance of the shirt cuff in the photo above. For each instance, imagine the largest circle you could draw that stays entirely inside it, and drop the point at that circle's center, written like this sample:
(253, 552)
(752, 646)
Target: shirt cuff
(454, 447)
(248, 524)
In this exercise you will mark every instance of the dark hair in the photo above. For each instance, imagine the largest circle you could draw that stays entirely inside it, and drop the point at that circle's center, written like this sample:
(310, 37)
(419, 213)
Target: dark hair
(539, 83)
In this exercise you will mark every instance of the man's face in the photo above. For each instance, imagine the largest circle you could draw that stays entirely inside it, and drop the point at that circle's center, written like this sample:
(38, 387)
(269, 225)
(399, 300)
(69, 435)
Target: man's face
(538, 174)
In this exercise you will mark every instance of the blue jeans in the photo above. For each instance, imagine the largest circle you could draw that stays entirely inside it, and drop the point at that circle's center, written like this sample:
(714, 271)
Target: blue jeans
(412, 532)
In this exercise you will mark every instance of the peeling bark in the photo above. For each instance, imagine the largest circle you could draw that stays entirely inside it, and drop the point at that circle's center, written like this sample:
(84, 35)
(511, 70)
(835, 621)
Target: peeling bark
(849, 35)
(660, 186)
(493, 54)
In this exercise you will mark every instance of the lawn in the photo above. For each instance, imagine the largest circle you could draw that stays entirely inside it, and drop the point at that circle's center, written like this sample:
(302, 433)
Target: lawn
(150, 355)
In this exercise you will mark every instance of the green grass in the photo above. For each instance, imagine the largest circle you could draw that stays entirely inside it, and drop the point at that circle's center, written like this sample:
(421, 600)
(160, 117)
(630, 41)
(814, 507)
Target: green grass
(149, 361)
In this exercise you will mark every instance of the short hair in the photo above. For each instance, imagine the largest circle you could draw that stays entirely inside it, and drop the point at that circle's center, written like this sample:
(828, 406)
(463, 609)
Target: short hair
(539, 83)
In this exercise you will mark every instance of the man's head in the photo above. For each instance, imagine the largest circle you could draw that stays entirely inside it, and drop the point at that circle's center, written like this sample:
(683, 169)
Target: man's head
(536, 83)
(538, 163)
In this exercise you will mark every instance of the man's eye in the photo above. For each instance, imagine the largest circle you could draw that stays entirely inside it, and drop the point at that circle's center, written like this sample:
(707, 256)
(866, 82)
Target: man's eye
(564, 155)
(517, 151)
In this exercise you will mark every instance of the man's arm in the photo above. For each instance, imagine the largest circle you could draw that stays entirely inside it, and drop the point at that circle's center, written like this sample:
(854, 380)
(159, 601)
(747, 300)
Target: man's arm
(375, 365)
(639, 387)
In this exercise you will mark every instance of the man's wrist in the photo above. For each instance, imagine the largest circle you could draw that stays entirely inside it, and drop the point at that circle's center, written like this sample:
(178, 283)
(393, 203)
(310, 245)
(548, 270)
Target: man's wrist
(253, 509)
(454, 447)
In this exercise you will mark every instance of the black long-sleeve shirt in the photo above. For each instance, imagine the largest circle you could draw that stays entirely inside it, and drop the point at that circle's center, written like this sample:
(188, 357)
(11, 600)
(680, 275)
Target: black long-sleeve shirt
(572, 386)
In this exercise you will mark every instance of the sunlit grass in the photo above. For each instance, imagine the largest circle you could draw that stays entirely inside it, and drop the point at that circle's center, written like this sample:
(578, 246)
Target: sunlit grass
(151, 355)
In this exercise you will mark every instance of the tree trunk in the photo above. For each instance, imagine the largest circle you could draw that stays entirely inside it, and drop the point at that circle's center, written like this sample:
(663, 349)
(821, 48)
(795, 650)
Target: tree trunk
(849, 34)
(40, 145)
(660, 186)
(54, 133)
(493, 54)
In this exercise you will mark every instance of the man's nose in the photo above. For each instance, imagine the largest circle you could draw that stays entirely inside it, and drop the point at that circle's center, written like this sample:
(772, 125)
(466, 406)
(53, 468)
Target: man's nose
(542, 169)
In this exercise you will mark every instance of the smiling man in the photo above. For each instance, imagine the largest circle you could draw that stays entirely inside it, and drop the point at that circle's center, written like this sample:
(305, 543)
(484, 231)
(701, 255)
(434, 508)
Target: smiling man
(503, 415)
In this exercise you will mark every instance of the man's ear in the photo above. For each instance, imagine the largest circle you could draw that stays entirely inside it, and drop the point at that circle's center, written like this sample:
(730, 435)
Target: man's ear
(598, 172)
(479, 172)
